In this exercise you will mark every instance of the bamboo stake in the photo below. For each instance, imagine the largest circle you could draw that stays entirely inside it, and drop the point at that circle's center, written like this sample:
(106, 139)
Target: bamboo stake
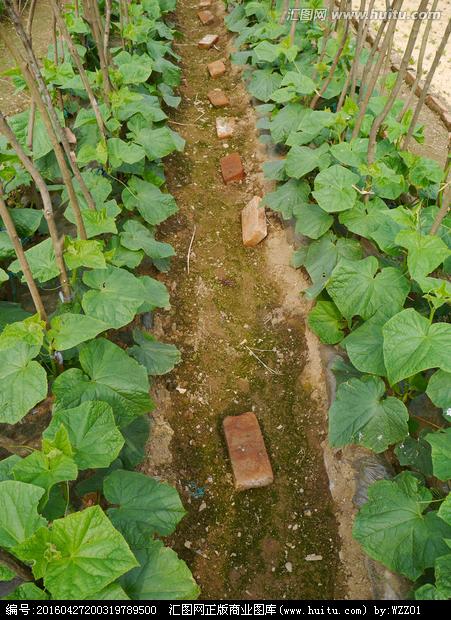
(92, 16)
(443, 197)
(79, 64)
(332, 69)
(326, 36)
(47, 204)
(397, 87)
(352, 70)
(426, 85)
(106, 32)
(295, 20)
(59, 153)
(375, 72)
(59, 95)
(25, 267)
(33, 105)
(419, 71)
(39, 82)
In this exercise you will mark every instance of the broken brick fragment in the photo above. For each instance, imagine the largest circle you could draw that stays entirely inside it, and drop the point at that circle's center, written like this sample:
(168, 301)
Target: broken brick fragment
(206, 17)
(253, 223)
(208, 41)
(232, 168)
(247, 451)
(225, 127)
(218, 98)
(216, 68)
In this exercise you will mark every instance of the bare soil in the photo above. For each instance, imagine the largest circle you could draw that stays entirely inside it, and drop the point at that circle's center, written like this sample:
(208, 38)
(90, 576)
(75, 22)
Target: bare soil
(236, 305)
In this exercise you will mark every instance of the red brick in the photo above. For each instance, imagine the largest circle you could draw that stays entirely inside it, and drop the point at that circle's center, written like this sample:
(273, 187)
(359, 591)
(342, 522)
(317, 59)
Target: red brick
(253, 223)
(206, 17)
(232, 168)
(225, 127)
(204, 4)
(208, 41)
(250, 461)
(218, 98)
(216, 68)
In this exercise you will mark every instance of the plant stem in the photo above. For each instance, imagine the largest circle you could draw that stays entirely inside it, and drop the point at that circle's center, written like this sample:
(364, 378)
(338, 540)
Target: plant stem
(332, 69)
(92, 16)
(25, 267)
(295, 20)
(426, 85)
(106, 32)
(47, 204)
(397, 87)
(79, 64)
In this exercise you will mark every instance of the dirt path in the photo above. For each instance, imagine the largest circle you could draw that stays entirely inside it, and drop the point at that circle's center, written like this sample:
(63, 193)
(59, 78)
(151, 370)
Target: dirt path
(251, 544)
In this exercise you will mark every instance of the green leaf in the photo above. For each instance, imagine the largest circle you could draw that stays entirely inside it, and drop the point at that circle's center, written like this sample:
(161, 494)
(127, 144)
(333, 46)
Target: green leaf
(311, 220)
(428, 592)
(157, 294)
(93, 433)
(138, 237)
(3, 276)
(136, 435)
(26, 221)
(109, 375)
(412, 344)
(119, 256)
(394, 528)
(302, 159)
(334, 189)
(120, 152)
(425, 172)
(153, 205)
(45, 470)
(23, 382)
(364, 218)
(443, 574)
(6, 467)
(135, 68)
(357, 290)
(159, 358)
(6, 574)
(326, 322)
(441, 453)
(439, 389)
(263, 83)
(158, 143)
(416, 454)
(160, 576)
(116, 296)
(19, 518)
(364, 346)
(285, 121)
(27, 592)
(112, 592)
(311, 125)
(82, 253)
(41, 259)
(81, 554)
(69, 330)
(360, 415)
(287, 197)
(10, 313)
(303, 85)
(444, 512)
(351, 153)
(142, 506)
(425, 252)
(30, 331)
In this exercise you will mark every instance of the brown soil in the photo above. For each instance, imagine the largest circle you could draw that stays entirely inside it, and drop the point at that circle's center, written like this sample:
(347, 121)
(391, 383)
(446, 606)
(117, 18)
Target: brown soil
(251, 544)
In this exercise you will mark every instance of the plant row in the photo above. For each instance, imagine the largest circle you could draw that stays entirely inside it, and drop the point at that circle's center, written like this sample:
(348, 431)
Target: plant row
(82, 194)
(376, 245)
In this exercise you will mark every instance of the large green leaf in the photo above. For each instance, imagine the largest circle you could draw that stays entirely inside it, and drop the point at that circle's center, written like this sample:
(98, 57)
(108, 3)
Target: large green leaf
(6, 467)
(287, 197)
(160, 576)
(415, 453)
(154, 205)
(45, 469)
(28, 332)
(263, 83)
(108, 374)
(27, 592)
(327, 323)
(142, 506)
(136, 435)
(157, 143)
(302, 159)
(364, 346)
(351, 153)
(357, 290)
(334, 189)
(285, 121)
(158, 357)
(83, 253)
(425, 252)
(365, 217)
(135, 236)
(395, 529)
(439, 389)
(134, 68)
(441, 453)
(93, 433)
(23, 382)
(311, 220)
(361, 415)
(41, 259)
(19, 517)
(413, 344)
(120, 152)
(80, 555)
(116, 296)
(69, 330)
(26, 221)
